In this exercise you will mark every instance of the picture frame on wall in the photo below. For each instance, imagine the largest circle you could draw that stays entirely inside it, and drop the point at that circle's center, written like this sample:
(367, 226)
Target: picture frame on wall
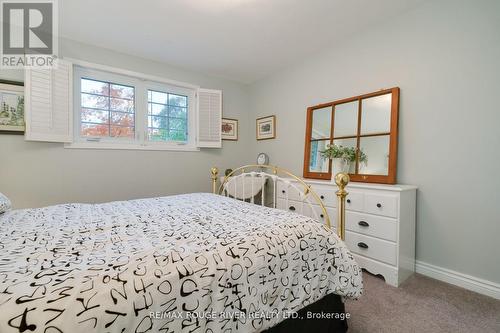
(229, 129)
(266, 128)
(12, 107)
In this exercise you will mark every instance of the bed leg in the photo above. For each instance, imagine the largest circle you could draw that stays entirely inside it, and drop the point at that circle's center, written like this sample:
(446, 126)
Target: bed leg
(341, 179)
(215, 172)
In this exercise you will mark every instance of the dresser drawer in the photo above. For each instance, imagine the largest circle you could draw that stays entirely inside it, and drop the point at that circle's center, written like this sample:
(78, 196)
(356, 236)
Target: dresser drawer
(284, 189)
(326, 194)
(295, 207)
(381, 204)
(332, 213)
(354, 201)
(371, 225)
(374, 248)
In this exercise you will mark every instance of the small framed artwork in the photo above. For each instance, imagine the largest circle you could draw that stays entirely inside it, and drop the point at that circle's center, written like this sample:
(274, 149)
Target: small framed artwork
(12, 107)
(229, 129)
(266, 128)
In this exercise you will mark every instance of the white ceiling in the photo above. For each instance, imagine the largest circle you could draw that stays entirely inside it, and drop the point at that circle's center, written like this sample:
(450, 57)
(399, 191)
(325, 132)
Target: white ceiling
(242, 40)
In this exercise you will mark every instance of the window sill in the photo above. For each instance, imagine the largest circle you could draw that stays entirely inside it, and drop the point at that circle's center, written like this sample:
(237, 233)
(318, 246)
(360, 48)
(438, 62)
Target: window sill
(122, 146)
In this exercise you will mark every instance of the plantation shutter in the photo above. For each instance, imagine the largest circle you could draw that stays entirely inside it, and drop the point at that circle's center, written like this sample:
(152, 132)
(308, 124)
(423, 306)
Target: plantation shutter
(209, 118)
(48, 103)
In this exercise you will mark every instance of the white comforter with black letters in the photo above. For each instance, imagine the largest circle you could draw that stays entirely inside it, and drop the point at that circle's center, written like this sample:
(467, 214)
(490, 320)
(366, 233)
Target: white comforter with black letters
(186, 263)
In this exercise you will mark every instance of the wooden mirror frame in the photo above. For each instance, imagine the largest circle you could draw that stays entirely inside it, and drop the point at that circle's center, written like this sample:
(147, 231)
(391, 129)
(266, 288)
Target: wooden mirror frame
(390, 178)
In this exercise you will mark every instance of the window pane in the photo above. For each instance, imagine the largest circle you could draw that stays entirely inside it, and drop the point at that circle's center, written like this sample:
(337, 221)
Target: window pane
(120, 131)
(318, 163)
(105, 116)
(158, 122)
(118, 104)
(167, 120)
(155, 134)
(177, 112)
(94, 101)
(177, 100)
(321, 123)
(158, 97)
(177, 136)
(122, 91)
(177, 124)
(346, 119)
(376, 114)
(350, 165)
(95, 87)
(94, 130)
(158, 109)
(95, 116)
(374, 155)
(122, 119)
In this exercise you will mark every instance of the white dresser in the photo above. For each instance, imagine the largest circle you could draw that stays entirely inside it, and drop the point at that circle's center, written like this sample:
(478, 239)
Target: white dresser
(380, 223)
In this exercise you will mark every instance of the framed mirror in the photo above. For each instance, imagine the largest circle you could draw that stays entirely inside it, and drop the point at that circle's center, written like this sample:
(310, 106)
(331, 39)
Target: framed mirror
(357, 135)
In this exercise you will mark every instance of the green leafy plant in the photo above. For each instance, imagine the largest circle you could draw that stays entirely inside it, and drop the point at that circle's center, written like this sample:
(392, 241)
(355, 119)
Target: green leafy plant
(333, 151)
(346, 153)
(363, 158)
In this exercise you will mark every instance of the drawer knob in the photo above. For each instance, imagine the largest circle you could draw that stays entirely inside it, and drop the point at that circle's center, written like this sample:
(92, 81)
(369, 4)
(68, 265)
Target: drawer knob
(348, 200)
(292, 208)
(363, 223)
(283, 191)
(379, 205)
(362, 245)
(322, 197)
(321, 215)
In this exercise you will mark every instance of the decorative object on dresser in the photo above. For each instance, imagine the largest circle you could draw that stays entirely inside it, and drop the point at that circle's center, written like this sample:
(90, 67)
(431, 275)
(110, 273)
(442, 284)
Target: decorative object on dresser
(361, 130)
(379, 223)
(266, 128)
(12, 108)
(229, 129)
(343, 158)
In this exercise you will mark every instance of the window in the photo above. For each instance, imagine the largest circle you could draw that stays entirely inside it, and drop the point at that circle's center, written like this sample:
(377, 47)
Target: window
(107, 109)
(121, 111)
(167, 116)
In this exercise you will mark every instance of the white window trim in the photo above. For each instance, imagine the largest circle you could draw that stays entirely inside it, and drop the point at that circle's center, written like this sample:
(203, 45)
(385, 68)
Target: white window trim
(142, 83)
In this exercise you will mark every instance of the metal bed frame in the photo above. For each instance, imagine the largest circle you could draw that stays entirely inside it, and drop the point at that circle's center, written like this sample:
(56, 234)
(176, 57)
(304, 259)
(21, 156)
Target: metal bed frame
(277, 174)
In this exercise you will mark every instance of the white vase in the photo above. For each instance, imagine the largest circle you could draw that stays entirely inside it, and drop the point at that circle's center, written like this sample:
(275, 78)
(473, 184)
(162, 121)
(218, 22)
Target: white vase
(340, 165)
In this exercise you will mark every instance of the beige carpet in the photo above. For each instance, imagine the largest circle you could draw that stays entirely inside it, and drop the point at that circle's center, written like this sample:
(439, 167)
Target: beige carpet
(421, 304)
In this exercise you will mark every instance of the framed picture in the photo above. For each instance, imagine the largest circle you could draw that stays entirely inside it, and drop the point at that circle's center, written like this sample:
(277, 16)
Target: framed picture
(229, 129)
(266, 128)
(12, 107)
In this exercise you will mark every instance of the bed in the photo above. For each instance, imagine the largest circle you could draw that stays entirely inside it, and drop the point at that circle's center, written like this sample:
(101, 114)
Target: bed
(188, 263)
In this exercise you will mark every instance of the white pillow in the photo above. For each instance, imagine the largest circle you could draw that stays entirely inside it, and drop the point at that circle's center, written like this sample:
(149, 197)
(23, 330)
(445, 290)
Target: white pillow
(5, 204)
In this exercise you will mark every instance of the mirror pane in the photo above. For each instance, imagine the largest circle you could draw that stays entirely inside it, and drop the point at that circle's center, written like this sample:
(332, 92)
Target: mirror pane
(348, 163)
(346, 119)
(374, 155)
(376, 114)
(316, 162)
(321, 123)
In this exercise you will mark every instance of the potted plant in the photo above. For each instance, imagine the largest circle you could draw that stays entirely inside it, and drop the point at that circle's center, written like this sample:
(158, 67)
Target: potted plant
(344, 158)
(340, 161)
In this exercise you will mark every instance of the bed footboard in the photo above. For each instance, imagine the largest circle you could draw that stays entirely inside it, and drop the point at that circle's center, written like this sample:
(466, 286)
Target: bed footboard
(307, 194)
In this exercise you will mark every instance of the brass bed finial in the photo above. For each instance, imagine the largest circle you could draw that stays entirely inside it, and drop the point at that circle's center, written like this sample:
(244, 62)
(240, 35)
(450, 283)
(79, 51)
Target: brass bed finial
(341, 179)
(215, 172)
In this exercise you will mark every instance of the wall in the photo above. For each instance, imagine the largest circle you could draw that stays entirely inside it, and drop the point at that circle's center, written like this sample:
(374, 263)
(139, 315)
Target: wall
(445, 58)
(34, 174)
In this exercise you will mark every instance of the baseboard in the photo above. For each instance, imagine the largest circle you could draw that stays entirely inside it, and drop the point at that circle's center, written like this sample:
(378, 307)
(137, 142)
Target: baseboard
(465, 281)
